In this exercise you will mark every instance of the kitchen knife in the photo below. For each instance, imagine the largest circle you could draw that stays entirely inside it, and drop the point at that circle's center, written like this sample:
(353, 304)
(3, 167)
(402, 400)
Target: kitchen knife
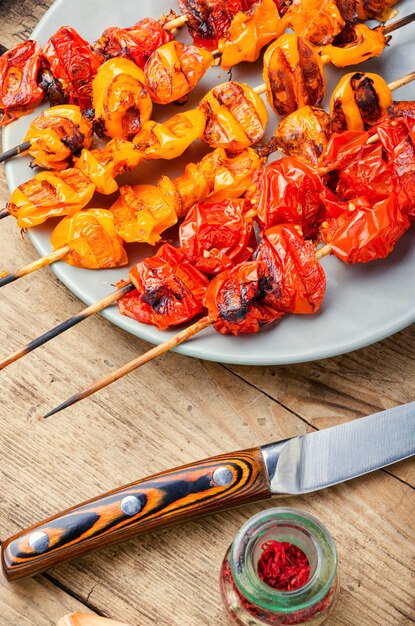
(294, 466)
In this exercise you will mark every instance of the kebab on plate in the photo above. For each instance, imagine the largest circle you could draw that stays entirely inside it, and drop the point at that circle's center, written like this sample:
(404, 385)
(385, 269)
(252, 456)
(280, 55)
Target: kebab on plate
(216, 237)
(67, 65)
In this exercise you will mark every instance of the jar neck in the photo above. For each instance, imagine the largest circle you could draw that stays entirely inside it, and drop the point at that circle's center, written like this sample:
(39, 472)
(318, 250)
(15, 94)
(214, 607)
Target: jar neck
(295, 527)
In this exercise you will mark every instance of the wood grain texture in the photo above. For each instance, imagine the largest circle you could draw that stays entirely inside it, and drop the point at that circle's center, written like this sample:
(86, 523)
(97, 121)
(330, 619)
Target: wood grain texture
(171, 412)
(167, 498)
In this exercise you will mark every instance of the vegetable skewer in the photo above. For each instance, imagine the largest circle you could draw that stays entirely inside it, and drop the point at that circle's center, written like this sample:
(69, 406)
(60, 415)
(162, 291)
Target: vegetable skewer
(344, 95)
(66, 48)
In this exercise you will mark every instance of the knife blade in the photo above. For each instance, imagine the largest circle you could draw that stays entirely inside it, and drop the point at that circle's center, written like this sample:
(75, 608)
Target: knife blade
(290, 467)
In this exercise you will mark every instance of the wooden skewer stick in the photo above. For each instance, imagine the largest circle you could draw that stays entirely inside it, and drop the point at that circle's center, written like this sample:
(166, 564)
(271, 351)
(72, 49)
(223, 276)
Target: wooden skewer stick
(69, 323)
(4, 213)
(399, 23)
(22, 147)
(36, 265)
(171, 343)
(176, 23)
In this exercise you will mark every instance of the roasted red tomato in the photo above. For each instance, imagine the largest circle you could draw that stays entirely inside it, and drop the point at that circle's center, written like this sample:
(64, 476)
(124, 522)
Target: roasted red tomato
(343, 148)
(299, 281)
(237, 299)
(74, 63)
(209, 20)
(396, 131)
(20, 91)
(288, 191)
(366, 232)
(216, 236)
(169, 290)
(136, 42)
(369, 174)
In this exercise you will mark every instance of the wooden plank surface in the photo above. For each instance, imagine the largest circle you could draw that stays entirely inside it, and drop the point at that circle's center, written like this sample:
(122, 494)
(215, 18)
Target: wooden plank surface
(171, 412)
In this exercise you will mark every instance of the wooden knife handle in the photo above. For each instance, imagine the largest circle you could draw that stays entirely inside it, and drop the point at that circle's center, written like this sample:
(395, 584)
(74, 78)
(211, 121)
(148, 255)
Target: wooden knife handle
(174, 496)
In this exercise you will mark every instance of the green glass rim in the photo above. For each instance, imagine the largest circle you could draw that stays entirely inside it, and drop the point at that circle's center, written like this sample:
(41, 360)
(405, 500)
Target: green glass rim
(261, 594)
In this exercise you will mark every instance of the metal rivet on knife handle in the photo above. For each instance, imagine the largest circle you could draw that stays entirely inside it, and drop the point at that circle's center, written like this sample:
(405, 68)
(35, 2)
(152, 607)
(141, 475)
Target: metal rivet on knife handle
(131, 505)
(222, 476)
(39, 542)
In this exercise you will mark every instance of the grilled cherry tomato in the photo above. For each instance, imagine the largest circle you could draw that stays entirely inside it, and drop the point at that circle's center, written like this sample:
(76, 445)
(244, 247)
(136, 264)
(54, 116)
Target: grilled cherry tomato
(249, 32)
(92, 239)
(355, 44)
(219, 175)
(236, 116)
(396, 131)
(143, 212)
(136, 42)
(365, 232)
(288, 191)
(237, 299)
(304, 134)
(317, 21)
(57, 134)
(369, 174)
(174, 69)
(217, 236)
(359, 101)
(74, 63)
(120, 99)
(171, 138)
(299, 281)
(293, 73)
(375, 9)
(50, 194)
(20, 88)
(169, 290)
(209, 20)
(103, 165)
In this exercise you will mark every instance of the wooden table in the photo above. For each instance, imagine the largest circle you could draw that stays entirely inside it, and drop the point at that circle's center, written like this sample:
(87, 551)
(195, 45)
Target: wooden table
(171, 412)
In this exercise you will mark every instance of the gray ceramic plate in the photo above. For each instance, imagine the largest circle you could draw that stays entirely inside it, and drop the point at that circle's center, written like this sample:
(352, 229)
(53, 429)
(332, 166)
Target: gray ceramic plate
(363, 304)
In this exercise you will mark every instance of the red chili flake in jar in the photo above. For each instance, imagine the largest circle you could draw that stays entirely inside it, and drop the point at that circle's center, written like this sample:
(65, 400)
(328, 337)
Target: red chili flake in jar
(283, 566)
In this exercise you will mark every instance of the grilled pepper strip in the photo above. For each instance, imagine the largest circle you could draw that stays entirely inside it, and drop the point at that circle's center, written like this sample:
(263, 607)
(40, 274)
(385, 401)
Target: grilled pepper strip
(359, 101)
(50, 194)
(57, 134)
(174, 69)
(74, 64)
(20, 91)
(355, 44)
(92, 238)
(293, 73)
(136, 42)
(217, 236)
(169, 290)
(249, 32)
(120, 99)
(299, 281)
(236, 116)
(365, 232)
(237, 299)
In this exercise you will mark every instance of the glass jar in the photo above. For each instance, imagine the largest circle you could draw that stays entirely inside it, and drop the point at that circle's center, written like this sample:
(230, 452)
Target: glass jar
(251, 602)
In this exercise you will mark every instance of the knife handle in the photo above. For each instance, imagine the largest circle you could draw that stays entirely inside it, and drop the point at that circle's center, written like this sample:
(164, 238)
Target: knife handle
(174, 496)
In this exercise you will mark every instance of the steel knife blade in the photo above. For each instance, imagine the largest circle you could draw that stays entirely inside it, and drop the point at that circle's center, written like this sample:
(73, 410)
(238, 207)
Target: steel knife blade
(291, 467)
